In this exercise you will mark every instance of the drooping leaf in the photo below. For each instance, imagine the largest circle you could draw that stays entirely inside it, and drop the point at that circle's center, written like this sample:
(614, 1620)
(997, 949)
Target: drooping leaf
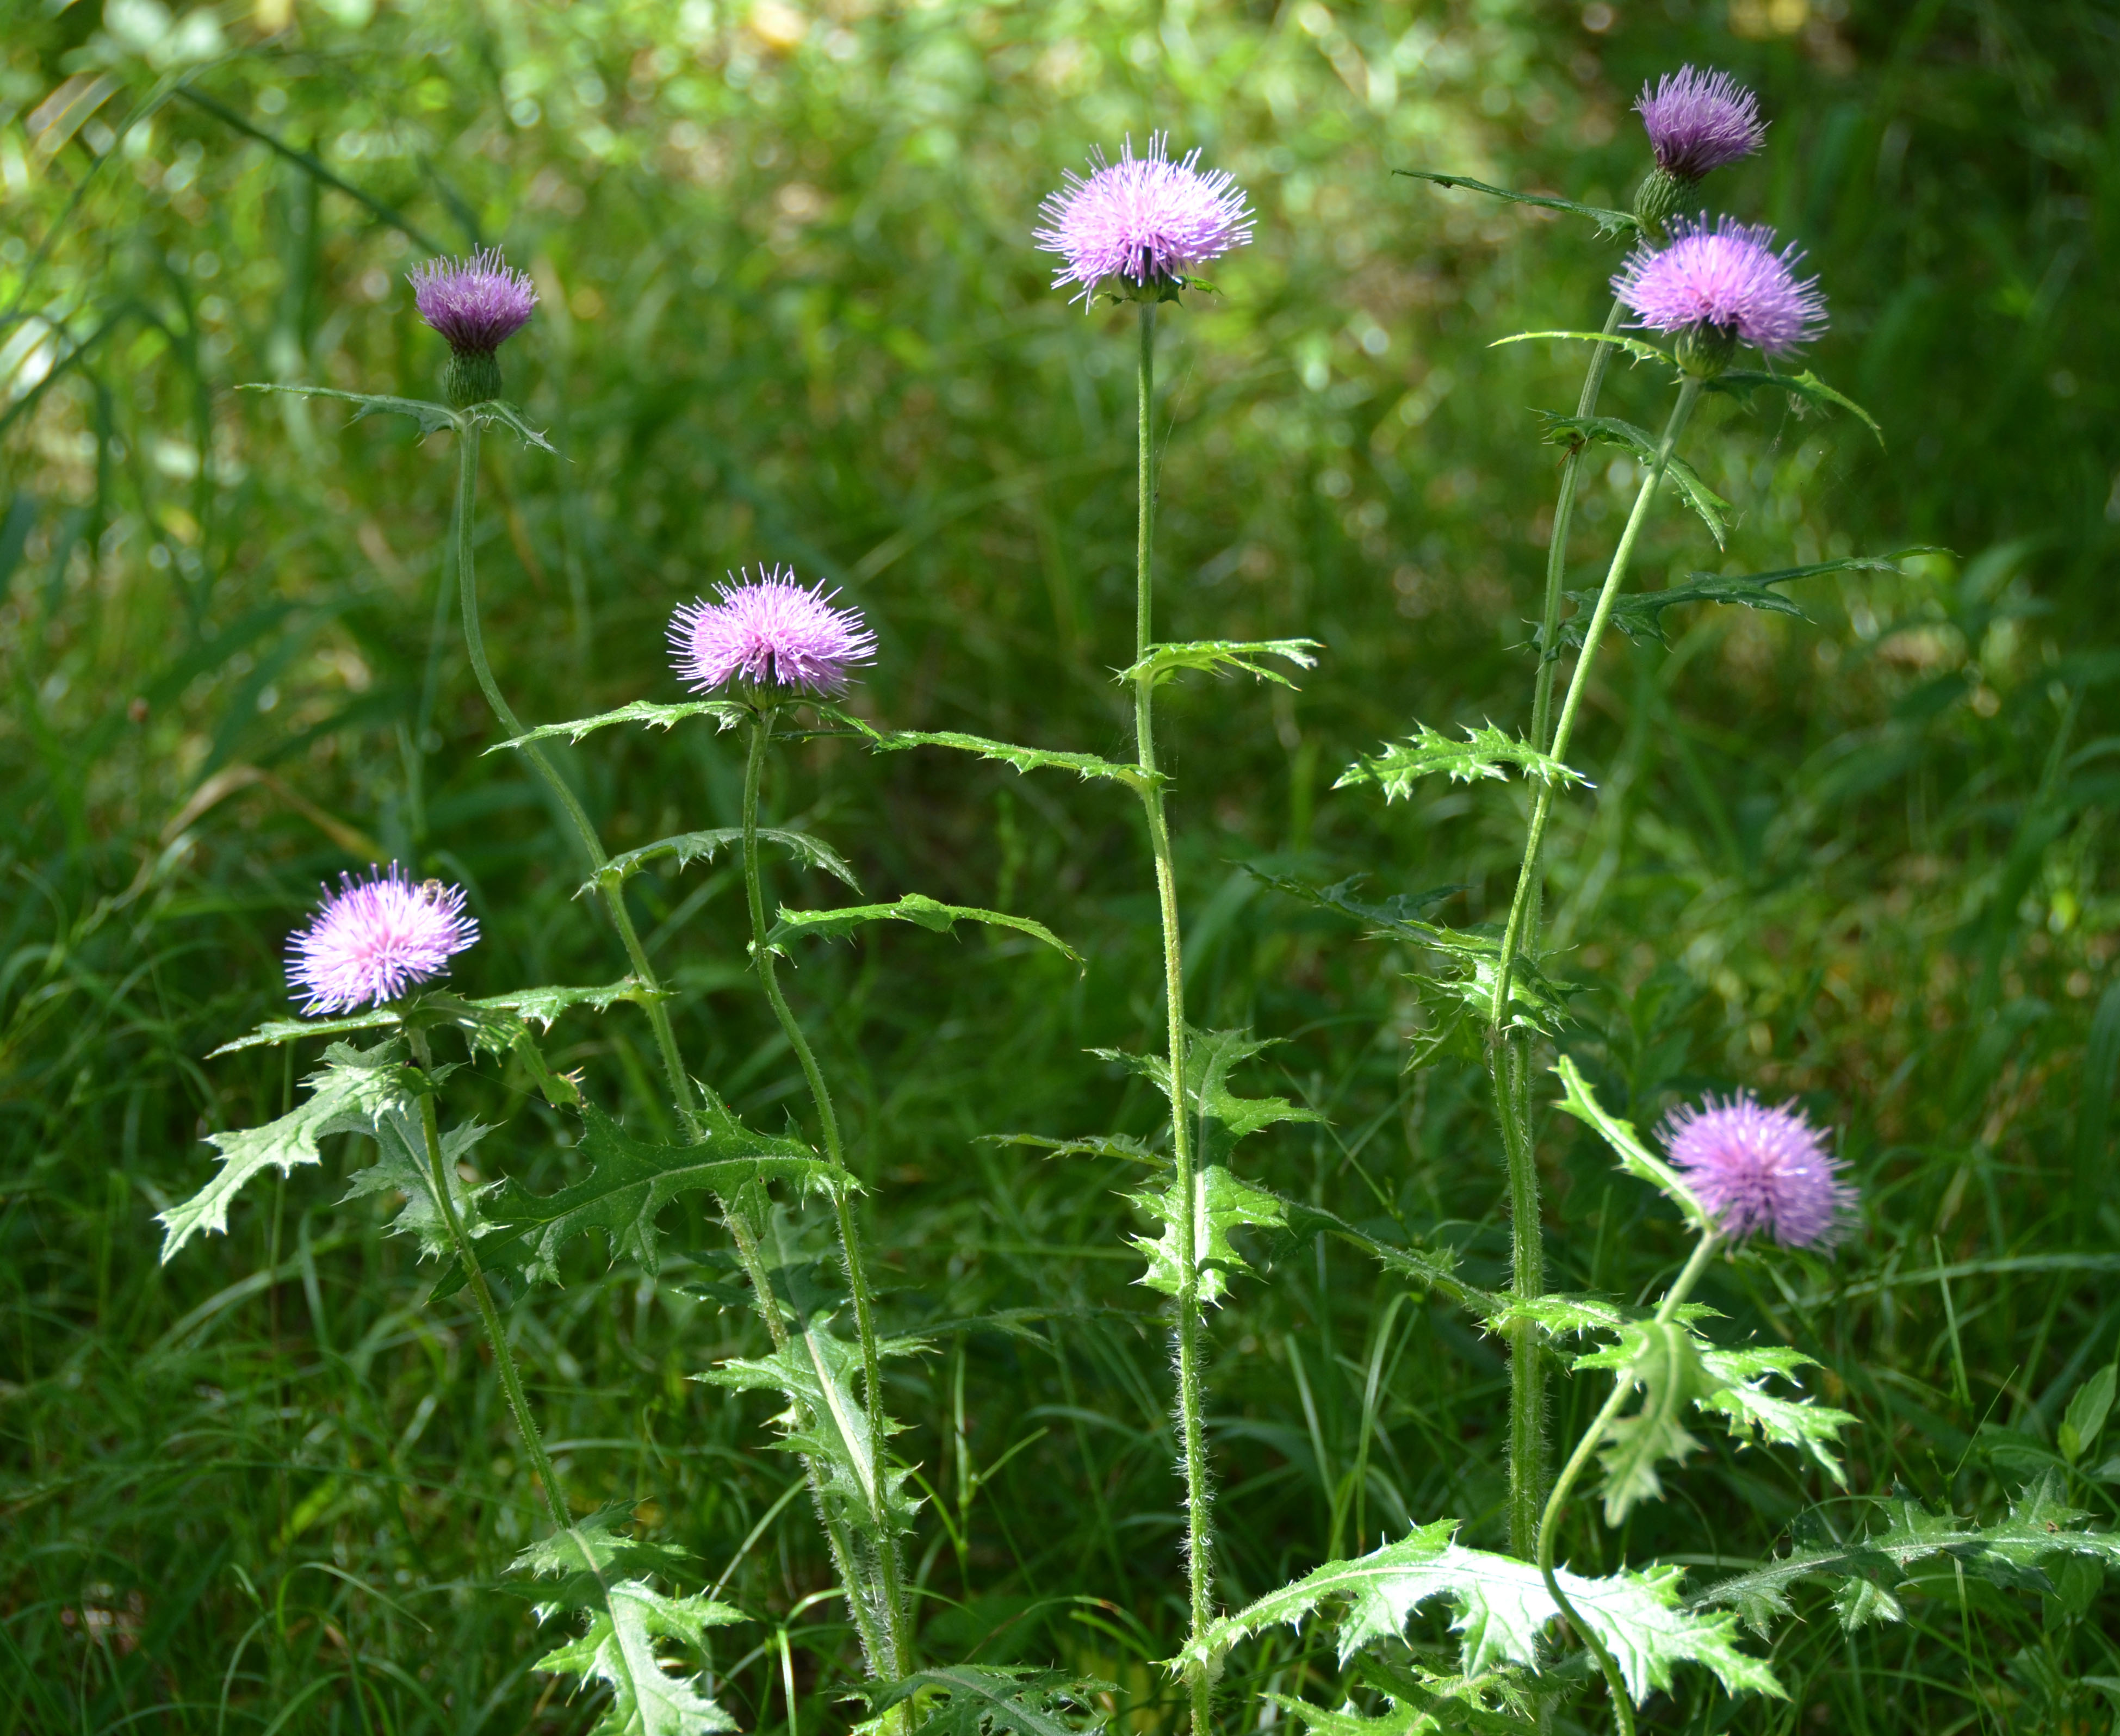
(1865, 1571)
(726, 715)
(1221, 656)
(1485, 752)
(649, 1696)
(1636, 1158)
(1579, 430)
(1639, 614)
(1609, 222)
(1660, 1360)
(914, 907)
(991, 1700)
(629, 1183)
(1083, 766)
(1635, 347)
(346, 1095)
(690, 847)
(402, 1166)
(1805, 389)
(431, 417)
(1499, 1606)
(1396, 914)
(1221, 1204)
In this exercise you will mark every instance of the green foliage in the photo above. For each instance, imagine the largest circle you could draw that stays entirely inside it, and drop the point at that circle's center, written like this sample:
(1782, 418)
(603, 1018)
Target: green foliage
(1609, 222)
(1581, 431)
(1636, 347)
(491, 1025)
(1579, 1101)
(1485, 752)
(914, 907)
(402, 1168)
(988, 1700)
(432, 418)
(1803, 390)
(1639, 614)
(1459, 1004)
(1220, 1202)
(686, 848)
(1491, 1703)
(1084, 766)
(1221, 656)
(1499, 1607)
(726, 715)
(1398, 915)
(2085, 1418)
(619, 1647)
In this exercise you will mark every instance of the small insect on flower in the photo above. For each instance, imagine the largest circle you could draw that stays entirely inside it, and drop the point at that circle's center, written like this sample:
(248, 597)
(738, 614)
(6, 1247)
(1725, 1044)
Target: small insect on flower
(1723, 285)
(1755, 1168)
(373, 939)
(770, 630)
(1699, 121)
(1145, 220)
(478, 304)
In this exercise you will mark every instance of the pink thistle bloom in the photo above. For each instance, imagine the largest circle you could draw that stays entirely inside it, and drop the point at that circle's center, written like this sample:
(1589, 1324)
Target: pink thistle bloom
(770, 630)
(1755, 1168)
(373, 939)
(1728, 277)
(1144, 219)
(478, 304)
(1698, 121)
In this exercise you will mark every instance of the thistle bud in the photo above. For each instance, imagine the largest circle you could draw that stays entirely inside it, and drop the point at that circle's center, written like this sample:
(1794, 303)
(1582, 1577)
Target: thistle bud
(477, 304)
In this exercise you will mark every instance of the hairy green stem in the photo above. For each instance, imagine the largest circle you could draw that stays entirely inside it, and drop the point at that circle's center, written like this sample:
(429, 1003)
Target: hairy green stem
(1549, 1524)
(1199, 1516)
(896, 1661)
(1508, 1052)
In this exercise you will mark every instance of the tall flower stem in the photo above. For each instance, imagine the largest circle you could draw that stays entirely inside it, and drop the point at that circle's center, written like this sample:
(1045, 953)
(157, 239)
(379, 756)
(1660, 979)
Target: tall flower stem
(1509, 1050)
(741, 1230)
(1199, 1517)
(1549, 1524)
(896, 1660)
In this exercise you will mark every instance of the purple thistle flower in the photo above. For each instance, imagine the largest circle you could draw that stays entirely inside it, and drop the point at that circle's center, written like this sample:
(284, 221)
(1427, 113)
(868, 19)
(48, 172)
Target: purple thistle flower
(1698, 121)
(1755, 1168)
(1144, 219)
(1728, 277)
(373, 939)
(478, 304)
(769, 630)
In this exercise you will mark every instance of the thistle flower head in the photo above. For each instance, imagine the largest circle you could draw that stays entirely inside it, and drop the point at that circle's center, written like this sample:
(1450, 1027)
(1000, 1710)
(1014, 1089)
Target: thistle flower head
(770, 630)
(1755, 1168)
(1726, 277)
(373, 939)
(478, 304)
(1143, 218)
(1698, 121)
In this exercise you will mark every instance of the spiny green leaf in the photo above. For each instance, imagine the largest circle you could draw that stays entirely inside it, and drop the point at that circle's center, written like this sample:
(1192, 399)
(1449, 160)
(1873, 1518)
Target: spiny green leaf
(1396, 915)
(690, 847)
(596, 1545)
(914, 907)
(619, 1648)
(1865, 1570)
(826, 1423)
(1485, 752)
(1218, 656)
(1023, 759)
(1635, 347)
(431, 417)
(490, 1024)
(1660, 1360)
(353, 1087)
(990, 1699)
(2085, 1418)
(1609, 222)
(1499, 1606)
(631, 1181)
(1221, 1204)
(1639, 614)
(1578, 431)
(1805, 388)
(726, 715)
(401, 1167)
(1459, 1005)
(1225, 1117)
(1492, 1703)
(1636, 1158)
(1431, 1271)
(1121, 1146)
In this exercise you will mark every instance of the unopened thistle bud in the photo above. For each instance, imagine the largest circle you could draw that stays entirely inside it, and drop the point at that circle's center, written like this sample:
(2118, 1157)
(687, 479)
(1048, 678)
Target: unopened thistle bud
(1713, 288)
(477, 304)
(1696, 122)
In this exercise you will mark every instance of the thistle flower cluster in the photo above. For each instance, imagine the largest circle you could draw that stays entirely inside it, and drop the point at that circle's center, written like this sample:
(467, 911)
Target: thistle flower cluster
(1145, 221)
(1720, 285)
(1759, 1169)
(772, 631)
(373, 939)
(477, 304)
(1698, 122)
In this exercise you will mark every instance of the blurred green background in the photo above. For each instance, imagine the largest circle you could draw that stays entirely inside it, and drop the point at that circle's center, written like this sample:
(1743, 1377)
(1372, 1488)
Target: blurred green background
(791, 313)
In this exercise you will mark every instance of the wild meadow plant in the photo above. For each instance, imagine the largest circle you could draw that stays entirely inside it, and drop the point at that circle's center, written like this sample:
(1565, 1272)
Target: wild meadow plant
(769, 656)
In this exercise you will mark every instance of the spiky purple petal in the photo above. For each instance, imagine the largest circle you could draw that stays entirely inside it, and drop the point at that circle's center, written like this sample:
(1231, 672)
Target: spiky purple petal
(1729, 276)
(1144, 219)
(373, 939)
(1698, 121)
(771, 630)
(478, 304)
(1756, 1168)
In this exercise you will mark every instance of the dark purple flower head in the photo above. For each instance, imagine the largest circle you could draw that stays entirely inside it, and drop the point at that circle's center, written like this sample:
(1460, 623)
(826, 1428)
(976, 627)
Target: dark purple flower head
(1755, 1168)
(1698, 121)
(478, 304)
(1144, 219)
(1728, 277)
(373, 939)
(769, 630)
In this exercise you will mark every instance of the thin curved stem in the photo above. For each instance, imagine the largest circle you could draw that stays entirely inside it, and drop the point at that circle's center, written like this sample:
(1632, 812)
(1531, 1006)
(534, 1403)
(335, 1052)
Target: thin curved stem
(1199, 1501)
(897, 1659)
(1549, 1524)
